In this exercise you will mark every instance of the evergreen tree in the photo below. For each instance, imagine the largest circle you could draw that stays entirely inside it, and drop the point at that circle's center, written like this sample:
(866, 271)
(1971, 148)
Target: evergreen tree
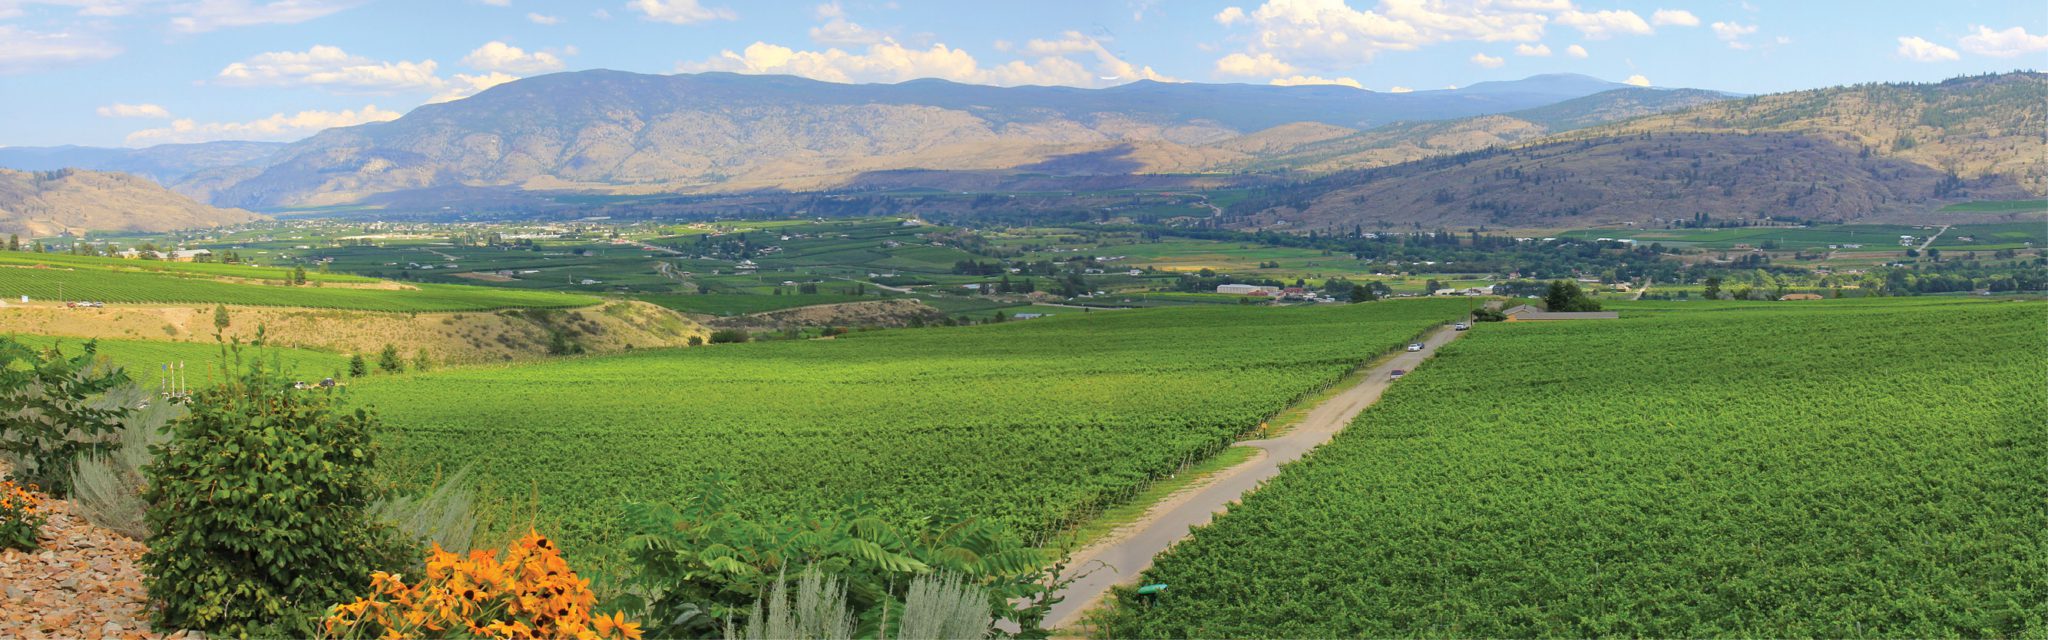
(388, 361)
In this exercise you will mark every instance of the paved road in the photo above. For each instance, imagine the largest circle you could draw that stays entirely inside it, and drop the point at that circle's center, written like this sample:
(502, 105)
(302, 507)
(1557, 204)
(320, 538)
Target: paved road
(1122, 560)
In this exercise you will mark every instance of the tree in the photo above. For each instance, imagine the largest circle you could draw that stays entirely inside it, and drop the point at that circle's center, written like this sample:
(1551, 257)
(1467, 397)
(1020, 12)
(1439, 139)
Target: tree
(14, 242)
(220, 320)
(1565, 295)
(298, 275)
(388, 361)
(1713, 289)
(357, 368)
(1430, 287)
(420, 361)
(55, 410)
(1362, 293)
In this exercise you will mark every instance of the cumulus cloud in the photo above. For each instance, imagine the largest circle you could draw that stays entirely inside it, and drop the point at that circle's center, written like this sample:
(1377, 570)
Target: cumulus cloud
(1229, 16)
(543, 19)
(1918, 49)
(1264, 64)
(838, 31)
(207, 15)
(1639, 80)
(1539, 51)
(23, 51)
(464, 85)
(1490, 62)
(276, 127)
(1296, 81)
(1106, 63)
(886, 61)
(1599, 25)
(1576, 51)
(1330, 34)
(1399, 89)
(329, 67)
(1674, 18)
(1732, 33)
(2003, 44)
(498, 56)
(680, 11)
(145, 110)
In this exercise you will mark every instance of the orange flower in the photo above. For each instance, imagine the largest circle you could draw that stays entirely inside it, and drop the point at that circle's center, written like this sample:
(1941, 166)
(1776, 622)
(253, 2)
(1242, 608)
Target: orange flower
(530, 593)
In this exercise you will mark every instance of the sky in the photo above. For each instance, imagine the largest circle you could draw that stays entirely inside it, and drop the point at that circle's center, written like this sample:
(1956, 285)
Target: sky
(144, 72)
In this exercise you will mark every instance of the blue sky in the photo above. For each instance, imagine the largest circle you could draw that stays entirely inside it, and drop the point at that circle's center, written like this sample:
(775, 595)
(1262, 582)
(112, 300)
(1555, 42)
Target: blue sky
(141, 72)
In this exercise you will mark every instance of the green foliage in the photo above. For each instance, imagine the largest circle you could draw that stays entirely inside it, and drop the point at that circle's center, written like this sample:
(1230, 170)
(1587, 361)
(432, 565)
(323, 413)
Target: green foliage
(54, 410)
(258, 508)
(388, 360)
(21, 516)
(1565, 295)
(130, 286)
(357, 367)
(1868, 468)
(708, 562)
(729, 336)
(1104, 402)
(444, 514)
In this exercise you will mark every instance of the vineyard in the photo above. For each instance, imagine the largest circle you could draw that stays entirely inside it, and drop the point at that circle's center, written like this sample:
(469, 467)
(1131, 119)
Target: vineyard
(1756, 470)
(145, 360)
(104, 285)
(1034, 423)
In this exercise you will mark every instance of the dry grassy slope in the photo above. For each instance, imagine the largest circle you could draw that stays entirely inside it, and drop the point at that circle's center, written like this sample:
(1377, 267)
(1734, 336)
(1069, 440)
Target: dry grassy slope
(457, 338)
(48, 203)
(877, 313)
(1973, 126)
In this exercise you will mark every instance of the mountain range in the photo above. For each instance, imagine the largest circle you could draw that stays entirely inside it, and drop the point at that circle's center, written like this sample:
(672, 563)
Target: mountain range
(73, 201)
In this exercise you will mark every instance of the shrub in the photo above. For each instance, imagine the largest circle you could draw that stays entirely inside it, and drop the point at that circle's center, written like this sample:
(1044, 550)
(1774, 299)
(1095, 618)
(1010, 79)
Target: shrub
(444, 516)
(56, 411)
(21, 516)
(728, 336)
(532, 593)
(107, 489)
(258, 507)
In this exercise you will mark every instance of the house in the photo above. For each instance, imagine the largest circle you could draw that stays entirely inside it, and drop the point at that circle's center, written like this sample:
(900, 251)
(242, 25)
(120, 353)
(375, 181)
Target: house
(1800, 296)
(1246, 290)
(1294, 293)
(1521, 313)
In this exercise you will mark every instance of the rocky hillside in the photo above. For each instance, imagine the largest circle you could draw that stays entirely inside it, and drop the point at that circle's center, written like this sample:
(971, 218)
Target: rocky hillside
(1974, 126)
(1643, 178)
(47, 203)
(164, 163)
(634, 133)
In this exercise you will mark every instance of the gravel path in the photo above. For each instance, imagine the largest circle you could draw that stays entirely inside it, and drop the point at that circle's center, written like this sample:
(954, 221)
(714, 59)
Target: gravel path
(82, 583)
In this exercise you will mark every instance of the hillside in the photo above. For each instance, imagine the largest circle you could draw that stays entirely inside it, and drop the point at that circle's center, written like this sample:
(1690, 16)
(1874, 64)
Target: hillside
(636, 133)
(47, 203)
(164, 163)
(1974, 126)
(1645, 178)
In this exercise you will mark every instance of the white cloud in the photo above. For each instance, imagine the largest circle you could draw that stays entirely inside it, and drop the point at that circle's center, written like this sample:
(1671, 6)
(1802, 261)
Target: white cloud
(543, 19)
(1639, 80)
(498, 56)
(207, 15)
(2003, 44)
(1264, 64)
(1674, 18)
(23, 51)
(1296, 81)
(680, 11)
(1919, 49)
(465, 85)
(276, 127)
(1330, 34)
(1399, 89)
(144, 110)
(1576, 51)
(838, 31)
(1490, 62)
(1539, 51)
(891, 61)
(1600, 25)
(829, 10)
(329, 67)
(1732, 33)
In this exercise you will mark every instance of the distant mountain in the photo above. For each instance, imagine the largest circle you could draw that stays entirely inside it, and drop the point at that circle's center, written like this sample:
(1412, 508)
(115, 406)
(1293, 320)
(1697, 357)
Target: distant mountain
(165, 163)
(634, 133)
(48, 203)
(1974, 126)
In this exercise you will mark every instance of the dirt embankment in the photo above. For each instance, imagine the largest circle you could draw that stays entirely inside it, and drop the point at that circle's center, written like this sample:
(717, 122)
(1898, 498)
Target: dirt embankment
(454, 338)
(878, 313)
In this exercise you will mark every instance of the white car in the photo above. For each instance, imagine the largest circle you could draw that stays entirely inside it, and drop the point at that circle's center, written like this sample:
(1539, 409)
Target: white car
(1415, 347)
(1461, 326)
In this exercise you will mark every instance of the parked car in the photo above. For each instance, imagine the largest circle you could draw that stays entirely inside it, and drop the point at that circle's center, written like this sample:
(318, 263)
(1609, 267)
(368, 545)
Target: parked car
(1415, 347)
(1461, 326)
(1396, 374)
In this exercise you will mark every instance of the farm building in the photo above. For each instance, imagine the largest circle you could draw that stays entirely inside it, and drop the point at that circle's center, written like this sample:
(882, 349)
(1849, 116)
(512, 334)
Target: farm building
(1246, 289)
(1528, 313)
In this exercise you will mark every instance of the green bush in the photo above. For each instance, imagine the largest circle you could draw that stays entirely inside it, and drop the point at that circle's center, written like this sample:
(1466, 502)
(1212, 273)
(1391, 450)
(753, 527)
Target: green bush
(54, 410)
(258, 508)
(727, 336)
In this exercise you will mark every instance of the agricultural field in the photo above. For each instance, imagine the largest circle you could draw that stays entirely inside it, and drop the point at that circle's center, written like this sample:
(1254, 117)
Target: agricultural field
(1037, 424)
(104, 285)
(1691, 470)
(1999, 206)
(147, 361)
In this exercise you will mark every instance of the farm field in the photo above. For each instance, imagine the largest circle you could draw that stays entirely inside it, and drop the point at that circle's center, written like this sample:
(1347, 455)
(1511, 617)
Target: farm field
(145, 359)
(726, 304)
(1036, 424)
(1999, 206)
(1695, 469)
(67, 284)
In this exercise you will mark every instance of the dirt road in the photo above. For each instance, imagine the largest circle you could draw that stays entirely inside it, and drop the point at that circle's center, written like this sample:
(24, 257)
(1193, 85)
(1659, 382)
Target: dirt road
(1122, 557)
